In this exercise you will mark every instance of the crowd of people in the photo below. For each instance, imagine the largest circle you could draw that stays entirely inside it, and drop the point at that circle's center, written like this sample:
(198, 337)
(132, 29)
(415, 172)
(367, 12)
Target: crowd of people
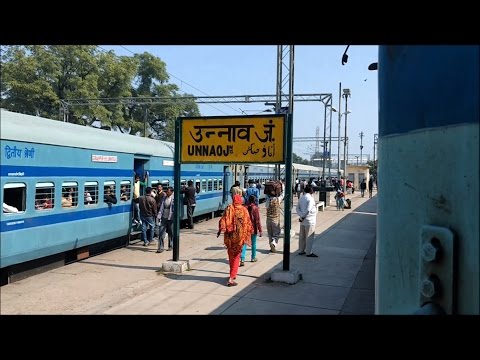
(241, 224)
(155, 211)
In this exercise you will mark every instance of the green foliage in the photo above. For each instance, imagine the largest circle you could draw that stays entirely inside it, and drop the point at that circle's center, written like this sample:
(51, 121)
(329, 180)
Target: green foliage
(299, 160)
(27, 78)
(372, 168)
(36, 77)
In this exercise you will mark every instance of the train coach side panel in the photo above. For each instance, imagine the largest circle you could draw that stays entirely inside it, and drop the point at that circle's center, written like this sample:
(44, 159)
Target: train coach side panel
(34, 233)
(428, 179)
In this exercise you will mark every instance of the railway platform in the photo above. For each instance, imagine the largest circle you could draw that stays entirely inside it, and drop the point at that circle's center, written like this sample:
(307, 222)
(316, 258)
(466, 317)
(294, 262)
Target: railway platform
(130, 281)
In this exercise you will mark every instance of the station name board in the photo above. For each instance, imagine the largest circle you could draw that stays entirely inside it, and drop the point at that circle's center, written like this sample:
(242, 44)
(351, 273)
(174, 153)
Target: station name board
(249, 139)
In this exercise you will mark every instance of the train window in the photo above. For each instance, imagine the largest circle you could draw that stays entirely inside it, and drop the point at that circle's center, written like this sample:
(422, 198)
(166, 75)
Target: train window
(109, 188)
(183, 182)
(197, 186)
(210, 185)
(220, 184)
(14, 197)
(215, 184)
(165, 183)
(154, 183)
(204, 185)
(44, 195)
(70, 194)
(91, 193)
(126, 188)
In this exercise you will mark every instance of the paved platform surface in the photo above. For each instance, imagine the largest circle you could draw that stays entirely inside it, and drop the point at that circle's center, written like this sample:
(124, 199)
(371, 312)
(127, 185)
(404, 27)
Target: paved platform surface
(129, 280)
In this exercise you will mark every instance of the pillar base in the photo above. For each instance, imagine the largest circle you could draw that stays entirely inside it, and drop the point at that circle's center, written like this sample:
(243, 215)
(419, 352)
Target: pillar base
(175, 266)
(289, 276)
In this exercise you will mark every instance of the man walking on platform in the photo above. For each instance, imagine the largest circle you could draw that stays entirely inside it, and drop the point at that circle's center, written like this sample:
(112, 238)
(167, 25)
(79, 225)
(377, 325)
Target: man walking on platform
(273, 219)
(370, 187)
(236, 189)
(363, 187)
(166, 214)
(160, 198)
(251, 190)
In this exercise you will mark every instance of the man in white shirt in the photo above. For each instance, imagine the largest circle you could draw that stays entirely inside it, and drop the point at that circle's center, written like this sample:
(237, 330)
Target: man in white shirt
(307, 211)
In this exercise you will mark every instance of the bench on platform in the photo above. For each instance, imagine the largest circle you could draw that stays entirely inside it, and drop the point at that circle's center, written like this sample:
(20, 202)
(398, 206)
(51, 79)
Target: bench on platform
(321, 205)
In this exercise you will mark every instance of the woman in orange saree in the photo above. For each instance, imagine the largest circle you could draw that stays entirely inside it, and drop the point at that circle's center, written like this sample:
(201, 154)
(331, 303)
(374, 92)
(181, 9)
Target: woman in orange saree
(237, 228)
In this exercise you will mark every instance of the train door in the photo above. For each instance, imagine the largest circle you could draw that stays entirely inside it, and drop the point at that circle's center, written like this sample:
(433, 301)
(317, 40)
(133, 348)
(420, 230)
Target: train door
(240, 173)
(282, 172)
(297, 173)
(227, 184)
(141, 167)
(234, 173)
(246, 176)
(138, 168)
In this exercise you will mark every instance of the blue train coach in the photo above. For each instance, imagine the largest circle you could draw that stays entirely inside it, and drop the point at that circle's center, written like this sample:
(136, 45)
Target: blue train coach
(427, 259)
(54, 179)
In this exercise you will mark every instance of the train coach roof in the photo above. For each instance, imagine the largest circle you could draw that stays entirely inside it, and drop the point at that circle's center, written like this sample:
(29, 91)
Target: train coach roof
(306, 167)
(35, 129)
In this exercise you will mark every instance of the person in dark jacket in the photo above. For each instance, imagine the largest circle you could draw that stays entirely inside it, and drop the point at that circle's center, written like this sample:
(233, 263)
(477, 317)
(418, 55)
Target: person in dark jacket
(370, 187)
(148, 212)
(166, 215)
(189, 200)
(363, 187)
(160, 198)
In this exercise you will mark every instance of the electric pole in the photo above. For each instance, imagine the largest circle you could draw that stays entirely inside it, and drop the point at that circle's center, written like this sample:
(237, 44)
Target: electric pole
(361, 147)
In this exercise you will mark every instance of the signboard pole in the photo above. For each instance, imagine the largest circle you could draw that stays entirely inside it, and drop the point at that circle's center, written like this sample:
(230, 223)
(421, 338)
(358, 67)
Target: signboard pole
(288, 192)
(234, 139)
(176, 187)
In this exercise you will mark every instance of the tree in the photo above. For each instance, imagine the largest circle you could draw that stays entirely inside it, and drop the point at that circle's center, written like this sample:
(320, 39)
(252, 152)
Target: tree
(151, 80)
(371, 166)
(25, 83)
(115, 81)
(299, 160)
(35, 78)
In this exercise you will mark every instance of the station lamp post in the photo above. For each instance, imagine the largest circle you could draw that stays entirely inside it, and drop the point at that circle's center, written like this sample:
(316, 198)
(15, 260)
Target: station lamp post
(346, 95)
(361, 147)
(339, 137)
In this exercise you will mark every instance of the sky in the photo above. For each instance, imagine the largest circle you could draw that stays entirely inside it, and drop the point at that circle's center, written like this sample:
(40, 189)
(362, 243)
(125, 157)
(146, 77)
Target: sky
(251, 70)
